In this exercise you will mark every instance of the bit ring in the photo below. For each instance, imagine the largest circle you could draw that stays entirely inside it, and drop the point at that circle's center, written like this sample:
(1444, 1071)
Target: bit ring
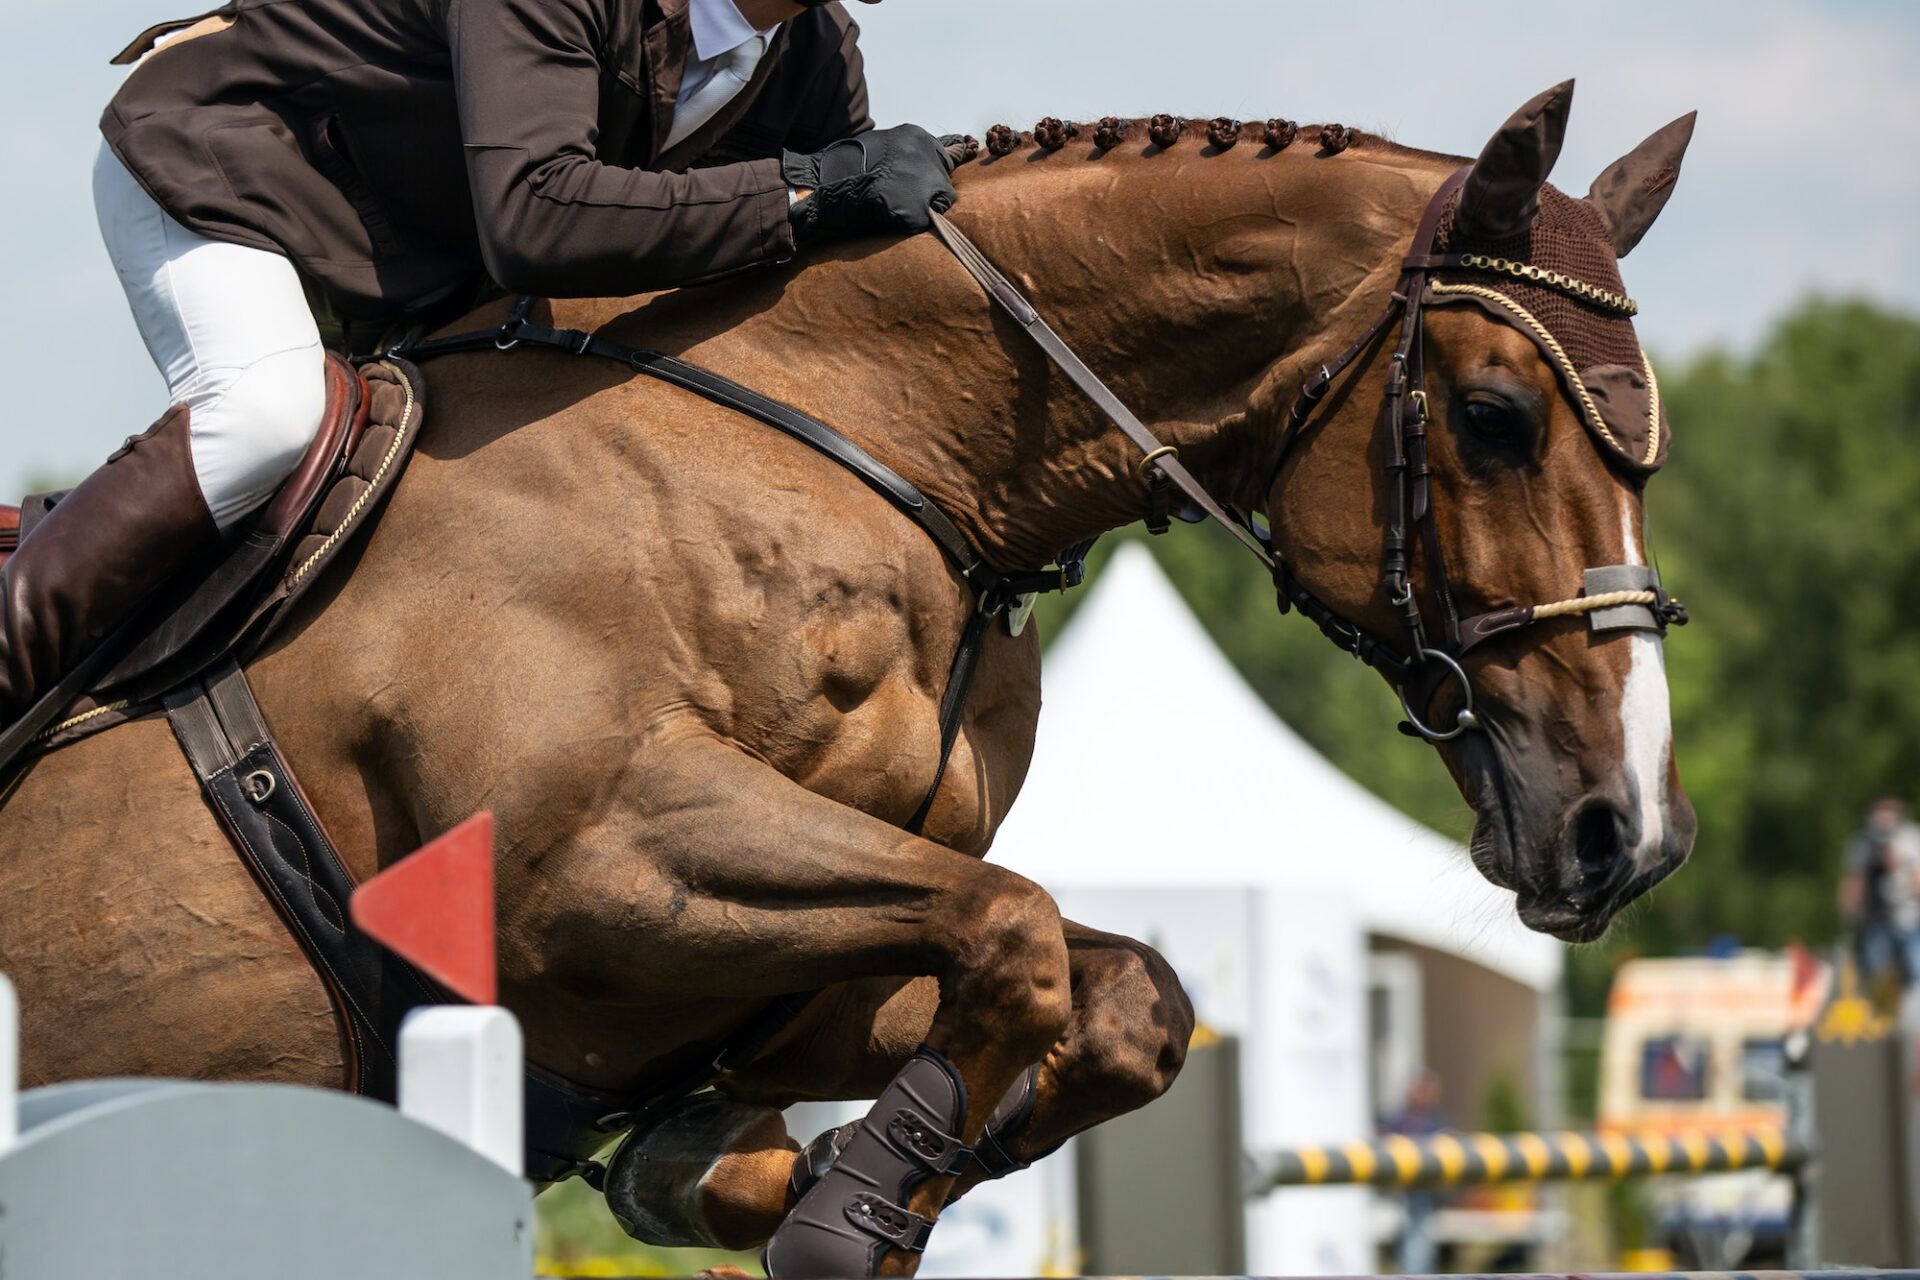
(1464, 721)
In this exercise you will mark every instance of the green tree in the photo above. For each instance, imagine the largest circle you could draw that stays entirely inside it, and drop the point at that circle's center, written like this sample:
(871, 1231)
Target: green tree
(1791, 526)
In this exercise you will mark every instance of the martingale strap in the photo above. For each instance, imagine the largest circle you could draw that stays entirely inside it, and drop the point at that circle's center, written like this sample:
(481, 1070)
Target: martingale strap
(996, 594)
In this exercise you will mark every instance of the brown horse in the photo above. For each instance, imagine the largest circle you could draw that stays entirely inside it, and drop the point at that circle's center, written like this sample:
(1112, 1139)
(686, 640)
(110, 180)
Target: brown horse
(694, 668)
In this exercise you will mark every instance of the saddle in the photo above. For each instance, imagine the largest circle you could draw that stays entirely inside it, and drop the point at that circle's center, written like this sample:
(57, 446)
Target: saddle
(228, 608)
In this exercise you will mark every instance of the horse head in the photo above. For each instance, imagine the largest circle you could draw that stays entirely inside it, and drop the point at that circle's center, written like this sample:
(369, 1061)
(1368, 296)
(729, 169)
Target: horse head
(1524, 395)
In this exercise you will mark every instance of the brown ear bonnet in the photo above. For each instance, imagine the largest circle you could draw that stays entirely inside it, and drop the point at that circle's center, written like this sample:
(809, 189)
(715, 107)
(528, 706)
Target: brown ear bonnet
(1549, 265)
(1558, 281)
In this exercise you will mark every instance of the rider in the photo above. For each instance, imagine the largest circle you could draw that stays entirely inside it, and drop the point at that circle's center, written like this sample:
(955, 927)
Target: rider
(280, 177)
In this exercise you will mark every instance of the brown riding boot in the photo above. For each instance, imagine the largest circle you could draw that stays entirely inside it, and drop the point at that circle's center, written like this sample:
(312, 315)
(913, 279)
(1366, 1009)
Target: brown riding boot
(96, 557)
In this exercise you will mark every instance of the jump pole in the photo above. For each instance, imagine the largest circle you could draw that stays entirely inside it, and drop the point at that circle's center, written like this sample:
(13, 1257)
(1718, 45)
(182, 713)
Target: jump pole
(1481, 1159)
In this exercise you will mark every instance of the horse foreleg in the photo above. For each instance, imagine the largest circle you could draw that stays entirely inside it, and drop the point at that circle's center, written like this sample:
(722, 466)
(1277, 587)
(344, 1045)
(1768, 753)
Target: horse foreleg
(1123, 1046)
(751, 887)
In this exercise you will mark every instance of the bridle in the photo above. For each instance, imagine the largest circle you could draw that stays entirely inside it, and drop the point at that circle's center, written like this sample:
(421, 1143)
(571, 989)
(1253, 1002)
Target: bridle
(1614, 598)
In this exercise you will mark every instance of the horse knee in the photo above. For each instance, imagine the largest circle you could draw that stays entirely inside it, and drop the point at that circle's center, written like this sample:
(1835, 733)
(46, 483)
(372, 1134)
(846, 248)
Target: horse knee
(1137, 1024)
(1010, 957)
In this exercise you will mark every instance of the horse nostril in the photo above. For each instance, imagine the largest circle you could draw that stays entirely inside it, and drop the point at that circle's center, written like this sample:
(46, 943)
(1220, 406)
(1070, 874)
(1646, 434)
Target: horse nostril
(1597, 844)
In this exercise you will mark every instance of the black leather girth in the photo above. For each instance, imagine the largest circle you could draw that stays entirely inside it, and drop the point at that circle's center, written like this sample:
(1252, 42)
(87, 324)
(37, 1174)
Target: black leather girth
(260, 804)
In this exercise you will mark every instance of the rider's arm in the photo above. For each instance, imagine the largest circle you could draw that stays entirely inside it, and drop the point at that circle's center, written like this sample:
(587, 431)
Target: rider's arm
(553, 219)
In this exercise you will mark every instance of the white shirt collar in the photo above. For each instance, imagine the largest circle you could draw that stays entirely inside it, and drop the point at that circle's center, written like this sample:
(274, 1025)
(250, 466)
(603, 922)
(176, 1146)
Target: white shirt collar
(718, 28)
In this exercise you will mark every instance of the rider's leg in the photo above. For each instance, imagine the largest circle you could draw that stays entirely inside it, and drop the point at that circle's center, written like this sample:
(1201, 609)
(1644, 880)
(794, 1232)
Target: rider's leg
(230, 329)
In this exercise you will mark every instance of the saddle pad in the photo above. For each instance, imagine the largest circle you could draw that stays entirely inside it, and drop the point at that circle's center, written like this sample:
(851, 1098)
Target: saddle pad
(389, 409)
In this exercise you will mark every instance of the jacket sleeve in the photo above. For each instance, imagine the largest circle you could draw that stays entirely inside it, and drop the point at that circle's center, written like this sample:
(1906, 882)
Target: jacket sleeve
(835, 105)
(555, 221)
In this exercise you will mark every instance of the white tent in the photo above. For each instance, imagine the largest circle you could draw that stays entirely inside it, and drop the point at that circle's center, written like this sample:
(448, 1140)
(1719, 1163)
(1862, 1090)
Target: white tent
(1158, 766)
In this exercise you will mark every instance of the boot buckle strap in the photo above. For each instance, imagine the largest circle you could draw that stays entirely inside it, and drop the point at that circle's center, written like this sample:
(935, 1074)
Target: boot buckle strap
(884, 1220)
(918, 1138)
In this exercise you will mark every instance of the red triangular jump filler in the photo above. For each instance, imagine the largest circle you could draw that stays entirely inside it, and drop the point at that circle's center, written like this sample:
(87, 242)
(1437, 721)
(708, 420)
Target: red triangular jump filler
(434, 909)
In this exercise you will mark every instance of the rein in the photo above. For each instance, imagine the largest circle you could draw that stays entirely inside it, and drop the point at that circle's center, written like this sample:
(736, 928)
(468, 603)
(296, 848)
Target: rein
(1161, 465)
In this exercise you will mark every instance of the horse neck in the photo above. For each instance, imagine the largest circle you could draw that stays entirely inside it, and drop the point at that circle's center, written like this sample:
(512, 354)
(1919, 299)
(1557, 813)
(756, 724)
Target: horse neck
(1199, 284)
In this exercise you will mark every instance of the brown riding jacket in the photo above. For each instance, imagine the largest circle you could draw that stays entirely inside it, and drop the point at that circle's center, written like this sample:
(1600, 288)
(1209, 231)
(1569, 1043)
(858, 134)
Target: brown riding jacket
(403, 152)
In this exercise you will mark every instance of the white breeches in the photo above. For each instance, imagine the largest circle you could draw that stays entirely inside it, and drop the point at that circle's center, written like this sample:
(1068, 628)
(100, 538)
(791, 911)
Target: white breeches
(230, 329)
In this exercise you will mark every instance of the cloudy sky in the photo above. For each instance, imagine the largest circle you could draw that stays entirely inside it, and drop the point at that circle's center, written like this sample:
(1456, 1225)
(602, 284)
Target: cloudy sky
(1802, 176)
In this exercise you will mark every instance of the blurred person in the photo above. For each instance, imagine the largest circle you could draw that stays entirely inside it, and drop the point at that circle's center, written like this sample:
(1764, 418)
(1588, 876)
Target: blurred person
(279, 178)
(1880, 893)
(1421, 1115)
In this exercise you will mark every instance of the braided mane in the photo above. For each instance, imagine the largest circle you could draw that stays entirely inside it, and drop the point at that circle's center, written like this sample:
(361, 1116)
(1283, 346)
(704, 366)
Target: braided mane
(1165, 132)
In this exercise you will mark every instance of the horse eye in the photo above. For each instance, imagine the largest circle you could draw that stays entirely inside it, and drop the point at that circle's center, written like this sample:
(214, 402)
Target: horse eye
(1492, 421)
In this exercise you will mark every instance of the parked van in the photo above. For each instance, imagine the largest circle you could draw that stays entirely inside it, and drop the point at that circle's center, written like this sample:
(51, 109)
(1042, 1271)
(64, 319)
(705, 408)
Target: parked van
(1698, 1043)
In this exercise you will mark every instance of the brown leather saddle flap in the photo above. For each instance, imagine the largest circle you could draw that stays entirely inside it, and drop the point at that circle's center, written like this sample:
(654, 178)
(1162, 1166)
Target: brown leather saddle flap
(229, 611)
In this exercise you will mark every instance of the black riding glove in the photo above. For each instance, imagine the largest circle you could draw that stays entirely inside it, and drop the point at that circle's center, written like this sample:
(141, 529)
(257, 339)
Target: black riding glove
(878, 182)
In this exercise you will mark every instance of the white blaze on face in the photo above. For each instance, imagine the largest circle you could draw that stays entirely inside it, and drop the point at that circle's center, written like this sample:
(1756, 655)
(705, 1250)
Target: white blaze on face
(1646, 722)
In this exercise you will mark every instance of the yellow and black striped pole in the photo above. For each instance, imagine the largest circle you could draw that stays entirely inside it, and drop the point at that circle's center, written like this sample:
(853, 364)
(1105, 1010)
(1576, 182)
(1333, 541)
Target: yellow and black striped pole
(1479, 1159)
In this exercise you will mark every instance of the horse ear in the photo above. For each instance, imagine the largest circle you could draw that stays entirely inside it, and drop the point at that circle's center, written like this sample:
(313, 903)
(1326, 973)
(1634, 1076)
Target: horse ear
(1501, 197)
(1633, 191)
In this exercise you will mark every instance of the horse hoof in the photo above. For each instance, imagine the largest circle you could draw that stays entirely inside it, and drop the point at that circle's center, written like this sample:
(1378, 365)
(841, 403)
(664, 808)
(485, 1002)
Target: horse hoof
(658, 1179)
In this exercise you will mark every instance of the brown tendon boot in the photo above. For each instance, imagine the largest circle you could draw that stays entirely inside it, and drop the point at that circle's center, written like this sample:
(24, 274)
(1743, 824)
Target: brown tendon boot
(990, 1153)
(856, 1214)
(96, 557)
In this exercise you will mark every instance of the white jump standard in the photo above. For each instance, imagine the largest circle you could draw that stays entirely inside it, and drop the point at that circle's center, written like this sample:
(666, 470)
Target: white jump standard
(178, 1180)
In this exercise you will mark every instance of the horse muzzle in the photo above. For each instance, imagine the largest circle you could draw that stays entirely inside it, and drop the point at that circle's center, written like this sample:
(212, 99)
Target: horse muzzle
(1573, 856)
